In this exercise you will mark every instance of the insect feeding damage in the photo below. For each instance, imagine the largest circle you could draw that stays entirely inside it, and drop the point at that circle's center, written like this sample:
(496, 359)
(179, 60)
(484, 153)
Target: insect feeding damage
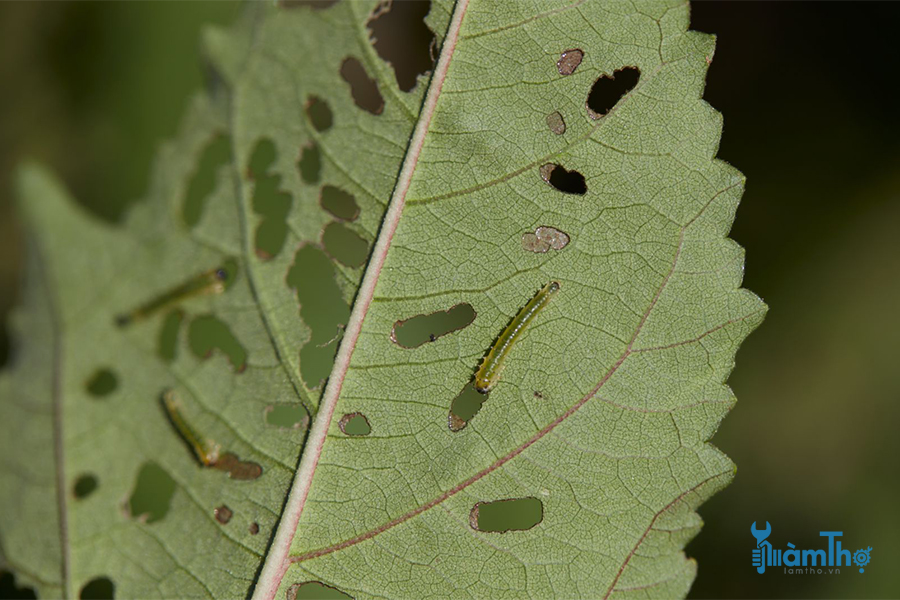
(556, 123)
(569, 182)
(609, 89)
(544, 238)
(420, 329)
(569, 61)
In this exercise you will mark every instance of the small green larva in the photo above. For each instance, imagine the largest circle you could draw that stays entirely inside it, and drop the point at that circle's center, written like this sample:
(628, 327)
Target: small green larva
(489, 372)
(211, 282)
(206, 450)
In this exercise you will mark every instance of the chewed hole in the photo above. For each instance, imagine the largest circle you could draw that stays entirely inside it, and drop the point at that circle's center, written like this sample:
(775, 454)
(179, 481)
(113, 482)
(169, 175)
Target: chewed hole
(310, 163)
(287, 416)
(465, 406)
(569, 61)
(254, 528)
(339, 203)
(555, 123)
(223, 514)
(216, 154)
(152, 496)
(609, 89)
(273, 205)
(207, 333)
(315, 590)
(319, 114)
(569, 182)
(355, 424)
(9, 589)
(415, 331)
(102, 383)
(84, 486)
(500, 516)
(262, 159)
(322, 308)
(544, 238)
(345, 245)
(242, 470)
(269, 201)
(99, 588)
(167, 345)
(401, 38)
(362, 87)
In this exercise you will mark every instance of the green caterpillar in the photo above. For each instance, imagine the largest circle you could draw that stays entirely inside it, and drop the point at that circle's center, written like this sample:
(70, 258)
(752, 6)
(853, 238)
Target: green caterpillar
(489, 372)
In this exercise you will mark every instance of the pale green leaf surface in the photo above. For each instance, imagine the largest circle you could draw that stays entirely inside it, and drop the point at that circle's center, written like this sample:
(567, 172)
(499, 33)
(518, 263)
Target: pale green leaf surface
(629, 359)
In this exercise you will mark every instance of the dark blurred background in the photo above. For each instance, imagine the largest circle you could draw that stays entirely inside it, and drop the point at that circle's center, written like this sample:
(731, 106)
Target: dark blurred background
(809, 95)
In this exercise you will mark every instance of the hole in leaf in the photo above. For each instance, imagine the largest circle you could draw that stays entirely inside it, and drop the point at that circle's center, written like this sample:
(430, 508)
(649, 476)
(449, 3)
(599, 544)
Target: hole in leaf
(363, 88)
(270, 202)
(167, 347)
(319, 114)
(345, 245)
(401, 38)
(569, 61)
(262, 159)
(102, 383)
(100, 588)
(207, 333)
(556, 123)
(339, 203)
(85, 485)
(242, 470)
(223, 514)
(569, 182)
(152, 495)
(355, 424)
(465, 406)
(609, 89)
(254, 528)
(287, 416)
(543, 239)
(310, 163)
(9, 589)
(272, 231)
(515, 514)
(413, 332)
(322, 308)
(315, 590)
(216, 154)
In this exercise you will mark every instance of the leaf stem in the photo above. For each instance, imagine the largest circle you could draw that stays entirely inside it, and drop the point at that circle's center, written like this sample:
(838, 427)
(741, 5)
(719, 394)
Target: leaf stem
(277, 561)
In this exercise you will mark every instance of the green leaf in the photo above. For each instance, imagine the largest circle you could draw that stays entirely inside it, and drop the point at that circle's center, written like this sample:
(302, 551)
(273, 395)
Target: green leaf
(296, 222)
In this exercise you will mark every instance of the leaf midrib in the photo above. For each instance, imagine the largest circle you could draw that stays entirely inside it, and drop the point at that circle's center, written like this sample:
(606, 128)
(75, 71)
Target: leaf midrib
(277, 560)
(57, 409)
